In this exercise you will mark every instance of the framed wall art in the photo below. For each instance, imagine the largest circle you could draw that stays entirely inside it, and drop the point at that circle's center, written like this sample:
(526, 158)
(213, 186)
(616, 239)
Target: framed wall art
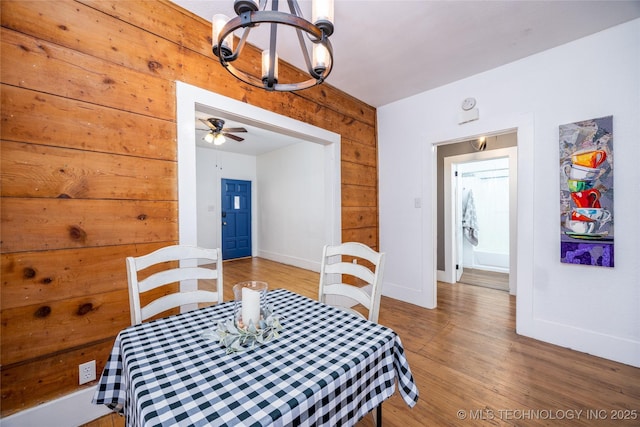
(586, 192)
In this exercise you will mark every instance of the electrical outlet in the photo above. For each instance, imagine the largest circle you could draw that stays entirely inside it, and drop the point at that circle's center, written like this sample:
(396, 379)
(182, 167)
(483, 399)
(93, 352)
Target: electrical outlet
(87, 372)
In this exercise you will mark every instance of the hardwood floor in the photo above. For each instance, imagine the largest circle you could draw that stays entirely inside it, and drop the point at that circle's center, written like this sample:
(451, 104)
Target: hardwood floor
(485, 278)
(469, 363)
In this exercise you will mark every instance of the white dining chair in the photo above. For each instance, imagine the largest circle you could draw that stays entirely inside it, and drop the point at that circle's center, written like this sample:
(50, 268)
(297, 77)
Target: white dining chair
(164, 271)
(351, 274)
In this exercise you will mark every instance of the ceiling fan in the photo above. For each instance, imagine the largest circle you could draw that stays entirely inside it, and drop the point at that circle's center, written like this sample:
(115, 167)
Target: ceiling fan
(218, 133)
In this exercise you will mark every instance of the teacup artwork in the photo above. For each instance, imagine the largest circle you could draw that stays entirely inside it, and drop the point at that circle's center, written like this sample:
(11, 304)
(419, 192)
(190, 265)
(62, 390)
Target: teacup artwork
(575, 216)
(578, 185)
(601, 215)
(581, 173)
(587, 199)
(586, 192)
(589, 158)
(581, 227)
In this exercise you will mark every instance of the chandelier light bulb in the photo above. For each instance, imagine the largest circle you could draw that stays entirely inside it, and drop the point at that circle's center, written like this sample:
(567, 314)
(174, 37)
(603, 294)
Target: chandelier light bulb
(219, 20)
(266, 66)
(313, 39)
(321, 58)
(322, 15)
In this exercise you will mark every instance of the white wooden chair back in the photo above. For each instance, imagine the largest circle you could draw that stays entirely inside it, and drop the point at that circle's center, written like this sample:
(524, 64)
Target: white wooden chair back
(343, 260)
(187, 270)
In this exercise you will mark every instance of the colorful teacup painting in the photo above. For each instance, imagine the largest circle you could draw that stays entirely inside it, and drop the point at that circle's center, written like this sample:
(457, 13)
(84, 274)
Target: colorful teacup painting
(586, 192)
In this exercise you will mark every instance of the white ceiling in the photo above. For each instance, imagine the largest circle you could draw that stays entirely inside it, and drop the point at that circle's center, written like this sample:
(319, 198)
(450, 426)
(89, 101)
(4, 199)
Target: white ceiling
(388, 50)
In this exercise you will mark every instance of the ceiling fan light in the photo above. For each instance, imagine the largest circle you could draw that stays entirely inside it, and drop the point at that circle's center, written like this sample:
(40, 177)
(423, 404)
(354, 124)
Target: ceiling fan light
(219, 139)
(479, 144)
(217, 23)
(209, 137)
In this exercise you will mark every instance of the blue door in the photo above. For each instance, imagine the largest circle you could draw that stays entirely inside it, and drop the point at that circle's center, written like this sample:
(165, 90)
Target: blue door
(236, 218)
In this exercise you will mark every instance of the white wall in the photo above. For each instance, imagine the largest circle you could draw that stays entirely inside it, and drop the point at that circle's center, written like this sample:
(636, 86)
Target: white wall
(291, 204)
(211, 166)
(289, 220)
(591, 309)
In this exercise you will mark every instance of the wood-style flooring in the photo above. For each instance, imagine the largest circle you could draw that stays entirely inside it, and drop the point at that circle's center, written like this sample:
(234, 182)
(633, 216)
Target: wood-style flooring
(470, 365)
(485, 278)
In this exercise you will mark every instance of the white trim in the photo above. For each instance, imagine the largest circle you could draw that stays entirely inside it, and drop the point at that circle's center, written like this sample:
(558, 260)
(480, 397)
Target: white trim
(290, 260)
(70, 410)
(610, 347)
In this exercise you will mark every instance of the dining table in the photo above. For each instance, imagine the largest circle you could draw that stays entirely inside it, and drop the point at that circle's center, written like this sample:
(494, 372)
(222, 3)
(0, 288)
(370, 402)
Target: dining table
(327, 367)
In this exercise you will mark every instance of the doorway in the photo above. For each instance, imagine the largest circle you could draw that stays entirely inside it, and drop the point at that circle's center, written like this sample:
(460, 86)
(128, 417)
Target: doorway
(521, 125)
(236, 218)
(451, 255)
(482, 222)
(190, 99)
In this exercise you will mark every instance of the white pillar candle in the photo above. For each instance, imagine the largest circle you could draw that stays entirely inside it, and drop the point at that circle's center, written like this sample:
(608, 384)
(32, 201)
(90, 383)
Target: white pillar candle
(250, 306)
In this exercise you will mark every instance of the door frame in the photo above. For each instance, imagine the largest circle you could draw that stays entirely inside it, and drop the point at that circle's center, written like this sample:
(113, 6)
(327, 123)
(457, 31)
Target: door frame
(450, 249)
(188, 99)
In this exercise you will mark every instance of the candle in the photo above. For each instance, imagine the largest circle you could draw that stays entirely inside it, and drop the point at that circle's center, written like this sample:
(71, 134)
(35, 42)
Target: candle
(250, 306)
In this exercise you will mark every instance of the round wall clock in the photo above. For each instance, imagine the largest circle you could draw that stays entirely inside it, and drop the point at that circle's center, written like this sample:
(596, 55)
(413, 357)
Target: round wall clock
(468, 104)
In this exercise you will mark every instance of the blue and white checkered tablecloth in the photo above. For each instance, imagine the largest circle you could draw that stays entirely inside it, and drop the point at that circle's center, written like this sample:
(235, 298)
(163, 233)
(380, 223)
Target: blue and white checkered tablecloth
(327, 368)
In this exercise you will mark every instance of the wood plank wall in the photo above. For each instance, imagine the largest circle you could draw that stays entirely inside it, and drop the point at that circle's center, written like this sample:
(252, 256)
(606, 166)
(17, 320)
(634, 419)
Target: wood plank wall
(88, 140)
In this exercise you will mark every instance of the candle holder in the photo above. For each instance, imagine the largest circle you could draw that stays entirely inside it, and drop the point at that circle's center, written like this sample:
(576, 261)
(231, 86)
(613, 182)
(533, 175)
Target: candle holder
(250, 306)
(253, 321)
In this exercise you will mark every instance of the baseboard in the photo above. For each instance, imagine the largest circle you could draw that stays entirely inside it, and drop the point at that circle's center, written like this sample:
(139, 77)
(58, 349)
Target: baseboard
(597, 344)
(70, 410)
(290, 260)
(441, 276)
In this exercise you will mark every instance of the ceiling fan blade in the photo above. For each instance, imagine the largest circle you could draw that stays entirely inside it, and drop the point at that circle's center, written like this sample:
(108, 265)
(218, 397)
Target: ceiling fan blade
(234, 130)
(208, 123)
(232, 136)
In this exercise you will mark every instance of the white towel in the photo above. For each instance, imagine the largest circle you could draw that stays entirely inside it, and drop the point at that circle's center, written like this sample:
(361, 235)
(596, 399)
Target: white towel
(469, 219)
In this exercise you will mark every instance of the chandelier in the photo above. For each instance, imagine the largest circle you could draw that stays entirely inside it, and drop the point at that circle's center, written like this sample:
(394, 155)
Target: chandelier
(250, 15)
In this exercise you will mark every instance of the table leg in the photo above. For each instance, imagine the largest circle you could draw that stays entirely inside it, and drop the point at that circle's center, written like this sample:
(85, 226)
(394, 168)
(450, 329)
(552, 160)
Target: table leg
(379, 415)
